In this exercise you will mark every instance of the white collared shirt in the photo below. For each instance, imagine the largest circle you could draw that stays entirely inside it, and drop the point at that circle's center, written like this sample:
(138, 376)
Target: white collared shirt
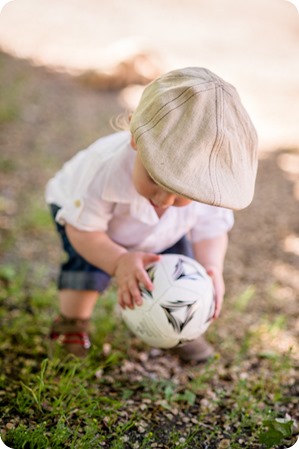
(96, 193)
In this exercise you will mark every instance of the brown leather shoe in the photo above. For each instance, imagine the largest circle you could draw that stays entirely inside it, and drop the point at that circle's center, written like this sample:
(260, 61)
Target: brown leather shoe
(71, 334)
(198, 350)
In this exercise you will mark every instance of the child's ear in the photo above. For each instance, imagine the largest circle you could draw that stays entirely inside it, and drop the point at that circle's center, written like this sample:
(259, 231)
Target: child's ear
(133, 143)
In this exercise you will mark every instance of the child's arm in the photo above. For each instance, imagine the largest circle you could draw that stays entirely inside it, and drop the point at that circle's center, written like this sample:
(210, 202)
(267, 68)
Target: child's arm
(127, 267)
(211, 253)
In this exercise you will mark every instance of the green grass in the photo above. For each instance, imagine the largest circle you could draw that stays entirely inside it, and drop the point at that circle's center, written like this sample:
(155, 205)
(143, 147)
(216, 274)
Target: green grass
(36, 218)
(69, 403)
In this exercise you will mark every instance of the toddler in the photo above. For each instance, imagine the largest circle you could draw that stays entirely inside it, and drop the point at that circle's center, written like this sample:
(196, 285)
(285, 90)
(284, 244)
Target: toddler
(167, 185)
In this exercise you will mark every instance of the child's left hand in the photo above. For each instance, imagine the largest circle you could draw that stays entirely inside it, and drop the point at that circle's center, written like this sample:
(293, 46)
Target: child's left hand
(218, 282)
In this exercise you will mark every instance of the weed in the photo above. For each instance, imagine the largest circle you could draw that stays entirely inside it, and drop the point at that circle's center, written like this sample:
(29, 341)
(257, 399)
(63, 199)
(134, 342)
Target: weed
(243, 300)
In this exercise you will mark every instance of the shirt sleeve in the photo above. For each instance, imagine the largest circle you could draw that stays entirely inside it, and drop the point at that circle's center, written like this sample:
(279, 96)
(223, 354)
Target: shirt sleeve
(212, 222)
(85, 209)
(80, 187)
(86, 215)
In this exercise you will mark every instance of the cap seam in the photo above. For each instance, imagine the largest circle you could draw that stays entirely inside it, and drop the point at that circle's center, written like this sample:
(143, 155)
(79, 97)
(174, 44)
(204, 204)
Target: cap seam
(166, 104)
(216, 148)
(168, 112)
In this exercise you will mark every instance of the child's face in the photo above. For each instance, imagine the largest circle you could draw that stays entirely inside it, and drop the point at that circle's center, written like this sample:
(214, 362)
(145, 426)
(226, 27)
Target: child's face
(156, 195)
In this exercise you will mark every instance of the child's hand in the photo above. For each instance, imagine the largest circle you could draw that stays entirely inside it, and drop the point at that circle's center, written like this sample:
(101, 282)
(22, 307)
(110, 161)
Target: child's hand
(219, 287)
(129, 273)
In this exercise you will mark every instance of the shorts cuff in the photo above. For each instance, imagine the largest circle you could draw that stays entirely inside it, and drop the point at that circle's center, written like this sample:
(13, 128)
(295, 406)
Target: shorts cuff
(80, 280)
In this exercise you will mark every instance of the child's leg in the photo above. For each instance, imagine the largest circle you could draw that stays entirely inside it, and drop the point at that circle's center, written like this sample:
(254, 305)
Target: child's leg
(71, 328)
(77, 304)
(79, 285)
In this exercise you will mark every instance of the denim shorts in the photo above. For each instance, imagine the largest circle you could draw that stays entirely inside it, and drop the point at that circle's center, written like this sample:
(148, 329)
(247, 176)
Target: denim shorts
(78, 274)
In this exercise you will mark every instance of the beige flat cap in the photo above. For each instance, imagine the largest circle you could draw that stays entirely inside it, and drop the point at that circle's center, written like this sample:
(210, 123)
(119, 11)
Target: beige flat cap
(196, 139)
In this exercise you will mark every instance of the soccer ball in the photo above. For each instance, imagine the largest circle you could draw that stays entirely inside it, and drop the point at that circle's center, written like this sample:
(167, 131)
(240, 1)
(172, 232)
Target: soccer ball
(179, 309)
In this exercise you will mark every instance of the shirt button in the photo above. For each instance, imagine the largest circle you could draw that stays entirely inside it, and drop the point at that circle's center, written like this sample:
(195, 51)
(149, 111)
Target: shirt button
(77, 203)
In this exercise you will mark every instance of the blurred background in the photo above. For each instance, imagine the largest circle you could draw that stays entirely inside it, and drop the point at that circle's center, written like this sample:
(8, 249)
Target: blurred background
(254, 45)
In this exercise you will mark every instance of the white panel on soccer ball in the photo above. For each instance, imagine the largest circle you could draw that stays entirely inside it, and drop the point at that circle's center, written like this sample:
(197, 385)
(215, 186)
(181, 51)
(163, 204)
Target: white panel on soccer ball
(179, 308)
(157, 275)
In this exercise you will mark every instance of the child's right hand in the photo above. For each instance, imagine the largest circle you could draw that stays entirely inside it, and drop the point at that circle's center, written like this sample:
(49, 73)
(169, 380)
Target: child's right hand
(129, 273)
